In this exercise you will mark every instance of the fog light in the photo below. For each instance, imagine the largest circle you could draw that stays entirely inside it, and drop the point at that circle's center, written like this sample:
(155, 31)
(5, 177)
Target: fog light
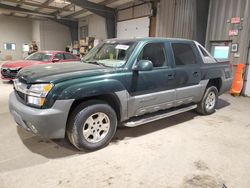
(32, 127)
(36, 100)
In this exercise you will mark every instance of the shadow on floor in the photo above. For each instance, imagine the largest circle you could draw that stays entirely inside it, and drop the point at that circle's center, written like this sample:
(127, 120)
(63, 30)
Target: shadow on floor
(62, 148)
(222, 104)
(48, 148)
(7, 82)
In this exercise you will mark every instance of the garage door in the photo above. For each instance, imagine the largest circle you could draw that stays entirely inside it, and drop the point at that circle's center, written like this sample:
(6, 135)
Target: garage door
(133, 28)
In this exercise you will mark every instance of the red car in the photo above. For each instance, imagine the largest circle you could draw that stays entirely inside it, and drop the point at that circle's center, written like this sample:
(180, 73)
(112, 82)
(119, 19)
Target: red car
(10, 69)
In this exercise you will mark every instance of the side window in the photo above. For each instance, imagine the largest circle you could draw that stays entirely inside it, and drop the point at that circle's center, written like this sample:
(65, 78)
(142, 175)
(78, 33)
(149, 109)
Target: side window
(59, 56)
(183, 54)
(203, 52)
(69, 56)
(155, 52)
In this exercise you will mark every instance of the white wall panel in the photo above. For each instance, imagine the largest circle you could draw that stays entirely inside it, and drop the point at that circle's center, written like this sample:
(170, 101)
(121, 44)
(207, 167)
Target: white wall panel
(48, 34)
(54, 36)
(133, 28)
(14, 30)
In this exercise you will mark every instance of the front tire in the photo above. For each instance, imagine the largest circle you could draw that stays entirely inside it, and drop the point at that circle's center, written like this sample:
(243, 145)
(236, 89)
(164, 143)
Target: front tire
(92, 125)
(208, 102)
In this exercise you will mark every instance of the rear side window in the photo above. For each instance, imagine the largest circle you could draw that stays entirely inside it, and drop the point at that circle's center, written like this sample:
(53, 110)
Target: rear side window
(183, 54)
(69, 56)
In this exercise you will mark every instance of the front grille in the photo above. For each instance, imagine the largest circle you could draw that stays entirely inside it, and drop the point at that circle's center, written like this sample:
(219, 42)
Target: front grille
(21, 95)
(8, 73)
(20, 89)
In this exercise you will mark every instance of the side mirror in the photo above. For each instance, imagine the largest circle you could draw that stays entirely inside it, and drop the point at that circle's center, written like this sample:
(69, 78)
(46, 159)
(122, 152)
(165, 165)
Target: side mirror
(55, 60)
(143, 65)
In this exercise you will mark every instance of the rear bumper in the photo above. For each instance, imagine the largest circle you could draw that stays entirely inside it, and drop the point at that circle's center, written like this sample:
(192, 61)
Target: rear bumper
(226, 85)
(47, 123)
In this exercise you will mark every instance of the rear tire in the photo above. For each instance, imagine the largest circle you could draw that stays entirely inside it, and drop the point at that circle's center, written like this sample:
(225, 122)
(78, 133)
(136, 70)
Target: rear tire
(92, 125)
(208, 102)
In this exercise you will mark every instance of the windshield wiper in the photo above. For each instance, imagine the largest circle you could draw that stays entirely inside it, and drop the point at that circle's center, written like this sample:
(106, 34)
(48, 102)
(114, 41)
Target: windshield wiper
(97, 63)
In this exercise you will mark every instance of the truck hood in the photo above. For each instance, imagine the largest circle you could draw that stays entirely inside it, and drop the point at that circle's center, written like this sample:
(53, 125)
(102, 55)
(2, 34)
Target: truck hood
(20, 63)
(59, 72)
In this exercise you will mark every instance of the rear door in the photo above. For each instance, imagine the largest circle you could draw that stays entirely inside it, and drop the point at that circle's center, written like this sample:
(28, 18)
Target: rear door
(153, 90)
(188, 72)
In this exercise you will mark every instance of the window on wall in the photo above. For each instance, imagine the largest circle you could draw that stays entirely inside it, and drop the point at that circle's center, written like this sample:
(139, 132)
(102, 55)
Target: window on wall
(9, 46)
(183, 54)
(220, 50)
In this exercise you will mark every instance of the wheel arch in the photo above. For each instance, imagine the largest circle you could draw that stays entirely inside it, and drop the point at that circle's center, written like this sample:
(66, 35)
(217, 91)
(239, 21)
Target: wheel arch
(217, 82)
(111, 99)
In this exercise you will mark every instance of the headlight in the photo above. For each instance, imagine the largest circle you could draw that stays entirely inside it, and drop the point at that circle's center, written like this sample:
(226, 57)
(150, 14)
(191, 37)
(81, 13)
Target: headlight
(15, 69)
(39, 90)
(36, 93)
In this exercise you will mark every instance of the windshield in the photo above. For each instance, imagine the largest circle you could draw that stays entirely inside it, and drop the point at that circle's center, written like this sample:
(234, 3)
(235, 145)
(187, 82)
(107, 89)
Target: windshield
(109, 54)
(39, 56)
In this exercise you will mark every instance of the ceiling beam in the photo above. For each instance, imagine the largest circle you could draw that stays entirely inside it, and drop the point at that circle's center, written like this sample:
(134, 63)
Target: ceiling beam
(102, 10)
(20, 3)
(106, 2)
(40, 6)
(65, 8)
(26, 11)
(77, 13)
(43, 5)
(98, 9)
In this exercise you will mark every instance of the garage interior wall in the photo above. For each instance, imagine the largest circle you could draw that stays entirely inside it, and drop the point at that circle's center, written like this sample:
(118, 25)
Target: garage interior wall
(220, 14)
(48, 34)
(14, 30)
(176, 18)
(219, 24)
(54, 36)
(96, 26)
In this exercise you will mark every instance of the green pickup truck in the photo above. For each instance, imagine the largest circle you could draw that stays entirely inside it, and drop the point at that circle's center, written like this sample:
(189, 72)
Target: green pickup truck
(125, 82)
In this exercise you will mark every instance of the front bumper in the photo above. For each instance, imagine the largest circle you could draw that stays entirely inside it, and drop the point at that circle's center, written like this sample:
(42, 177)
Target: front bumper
(8, 74)
(47, 123)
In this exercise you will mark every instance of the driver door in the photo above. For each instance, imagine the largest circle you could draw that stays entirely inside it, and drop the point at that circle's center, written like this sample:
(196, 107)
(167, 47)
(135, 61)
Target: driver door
(60, 57)
(152, 90)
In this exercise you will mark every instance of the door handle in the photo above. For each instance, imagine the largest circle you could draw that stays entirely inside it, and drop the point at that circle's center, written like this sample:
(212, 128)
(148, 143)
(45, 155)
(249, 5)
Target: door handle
(170, 76)
(195, 74)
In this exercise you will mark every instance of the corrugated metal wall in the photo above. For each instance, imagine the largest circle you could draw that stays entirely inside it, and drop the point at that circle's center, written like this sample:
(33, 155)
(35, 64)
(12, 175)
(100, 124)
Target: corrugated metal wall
(220, 14)
(176, 18)
(134, 11)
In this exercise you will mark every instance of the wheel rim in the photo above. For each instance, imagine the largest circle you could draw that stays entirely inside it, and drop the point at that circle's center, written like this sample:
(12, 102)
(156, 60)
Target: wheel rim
(210, 101)
(96, 127)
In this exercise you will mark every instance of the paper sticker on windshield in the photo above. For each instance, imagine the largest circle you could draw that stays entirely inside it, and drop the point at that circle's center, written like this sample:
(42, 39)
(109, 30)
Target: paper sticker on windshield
(122, 47)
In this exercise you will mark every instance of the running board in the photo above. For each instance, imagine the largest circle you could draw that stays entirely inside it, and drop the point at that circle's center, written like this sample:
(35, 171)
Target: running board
(147, 118)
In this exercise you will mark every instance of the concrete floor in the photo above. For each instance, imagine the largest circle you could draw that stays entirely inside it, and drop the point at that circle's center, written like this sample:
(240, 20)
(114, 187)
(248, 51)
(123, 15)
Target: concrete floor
(184, 151)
